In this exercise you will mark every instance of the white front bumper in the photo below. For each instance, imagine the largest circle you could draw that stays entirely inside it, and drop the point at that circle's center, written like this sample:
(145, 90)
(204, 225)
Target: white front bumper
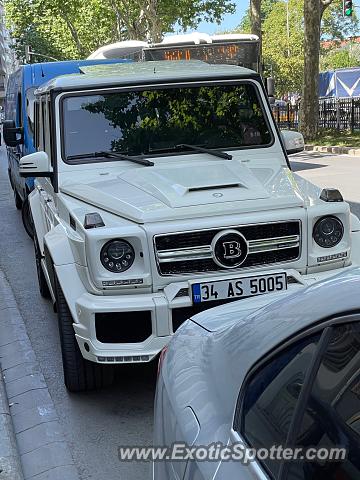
(165, 307)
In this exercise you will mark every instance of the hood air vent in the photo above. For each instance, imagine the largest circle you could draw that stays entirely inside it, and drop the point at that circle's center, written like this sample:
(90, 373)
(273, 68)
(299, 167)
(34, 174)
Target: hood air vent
(214, 187)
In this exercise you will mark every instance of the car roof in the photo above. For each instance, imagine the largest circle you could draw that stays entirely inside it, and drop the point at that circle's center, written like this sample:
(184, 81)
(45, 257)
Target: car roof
(144, 73)
(255, 333)
(36, 74)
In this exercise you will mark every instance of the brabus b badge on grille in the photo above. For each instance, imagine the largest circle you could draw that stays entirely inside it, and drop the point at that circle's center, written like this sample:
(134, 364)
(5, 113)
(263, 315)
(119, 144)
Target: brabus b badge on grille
(229, 249)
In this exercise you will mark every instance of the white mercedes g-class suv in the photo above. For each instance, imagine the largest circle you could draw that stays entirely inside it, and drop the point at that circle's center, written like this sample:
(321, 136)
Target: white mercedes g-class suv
(163, 189)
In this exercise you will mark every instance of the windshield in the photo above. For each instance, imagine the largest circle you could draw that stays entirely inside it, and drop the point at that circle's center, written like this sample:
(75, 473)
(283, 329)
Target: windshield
(146, 121)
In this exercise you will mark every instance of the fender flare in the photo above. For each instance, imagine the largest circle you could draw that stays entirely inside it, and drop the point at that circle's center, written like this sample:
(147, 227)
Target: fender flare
(57, 252)
(57, 245)
(354, 223)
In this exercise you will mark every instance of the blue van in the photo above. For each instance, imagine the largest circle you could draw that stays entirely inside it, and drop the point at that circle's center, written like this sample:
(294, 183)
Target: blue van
(19, 119)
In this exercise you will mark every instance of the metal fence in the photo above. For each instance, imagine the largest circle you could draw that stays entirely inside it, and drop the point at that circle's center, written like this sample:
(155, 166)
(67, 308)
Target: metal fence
(286, 116)
(334, 113)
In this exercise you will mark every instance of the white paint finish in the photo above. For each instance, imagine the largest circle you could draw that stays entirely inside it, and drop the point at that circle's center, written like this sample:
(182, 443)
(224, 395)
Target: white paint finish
(137, 202)
(205, 369)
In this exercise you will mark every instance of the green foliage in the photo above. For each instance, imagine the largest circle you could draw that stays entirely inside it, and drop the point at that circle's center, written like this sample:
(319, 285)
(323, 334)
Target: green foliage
(338, 138)
(266, 8)
(336, 27)
(283, 55)
(342, 58)
(68, 29)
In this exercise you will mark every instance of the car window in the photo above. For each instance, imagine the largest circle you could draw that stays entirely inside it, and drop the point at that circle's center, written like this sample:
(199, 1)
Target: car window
(149, 121)
(47, 130)
(332, 415)
(271, 395)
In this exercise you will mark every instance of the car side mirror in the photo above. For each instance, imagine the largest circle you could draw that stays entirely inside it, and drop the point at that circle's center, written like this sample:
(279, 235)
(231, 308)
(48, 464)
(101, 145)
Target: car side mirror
(11, 133)
(35, 165)
(293, 141)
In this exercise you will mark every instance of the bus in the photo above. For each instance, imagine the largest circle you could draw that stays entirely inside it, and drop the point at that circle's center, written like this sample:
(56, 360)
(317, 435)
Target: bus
(232, 49)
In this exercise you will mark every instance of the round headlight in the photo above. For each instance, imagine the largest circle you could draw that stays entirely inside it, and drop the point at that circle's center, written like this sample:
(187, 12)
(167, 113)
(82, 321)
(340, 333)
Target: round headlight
(328, 232)
(117, 256)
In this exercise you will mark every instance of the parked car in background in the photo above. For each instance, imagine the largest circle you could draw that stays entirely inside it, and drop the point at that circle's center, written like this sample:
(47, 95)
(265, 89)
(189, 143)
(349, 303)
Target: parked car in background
(19, 114)
(164, 189)
(283, 369)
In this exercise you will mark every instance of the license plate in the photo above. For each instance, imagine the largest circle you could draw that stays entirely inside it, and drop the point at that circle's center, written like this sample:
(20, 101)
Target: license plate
(238, 287)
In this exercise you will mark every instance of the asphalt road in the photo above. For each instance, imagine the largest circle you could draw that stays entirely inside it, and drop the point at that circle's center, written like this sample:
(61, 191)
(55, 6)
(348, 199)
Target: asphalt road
(325, 170)
(95, 424)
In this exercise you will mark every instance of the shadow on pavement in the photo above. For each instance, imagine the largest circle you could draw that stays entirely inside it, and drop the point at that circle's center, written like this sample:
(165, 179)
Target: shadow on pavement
(299, 166)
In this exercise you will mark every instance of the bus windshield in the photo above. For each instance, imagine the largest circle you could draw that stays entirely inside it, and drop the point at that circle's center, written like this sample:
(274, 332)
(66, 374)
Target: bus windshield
(142, 122)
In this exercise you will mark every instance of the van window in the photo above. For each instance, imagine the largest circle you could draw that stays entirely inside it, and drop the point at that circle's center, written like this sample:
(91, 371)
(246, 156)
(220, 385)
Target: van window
(19, 110)
(30, 110)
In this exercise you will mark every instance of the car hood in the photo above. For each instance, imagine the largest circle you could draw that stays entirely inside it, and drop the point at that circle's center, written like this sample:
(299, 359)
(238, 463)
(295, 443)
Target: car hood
(181, 191)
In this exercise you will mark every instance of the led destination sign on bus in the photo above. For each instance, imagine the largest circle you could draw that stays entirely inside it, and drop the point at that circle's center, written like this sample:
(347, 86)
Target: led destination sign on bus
(244, 54)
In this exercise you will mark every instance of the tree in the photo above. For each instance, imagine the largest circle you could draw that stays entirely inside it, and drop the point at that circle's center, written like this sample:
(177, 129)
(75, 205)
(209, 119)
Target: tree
(339, 58)
(245, 23)
(68, 29)
(283, 53)
(314, 14)
(283, 48)
(255, 18)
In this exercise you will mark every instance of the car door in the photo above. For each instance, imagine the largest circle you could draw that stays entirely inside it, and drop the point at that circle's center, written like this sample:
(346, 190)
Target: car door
(306, 394)
(330, 417)
(44, 185)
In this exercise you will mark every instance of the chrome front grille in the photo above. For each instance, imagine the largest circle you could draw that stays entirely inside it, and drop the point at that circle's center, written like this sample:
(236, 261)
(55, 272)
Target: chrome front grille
(191, 252)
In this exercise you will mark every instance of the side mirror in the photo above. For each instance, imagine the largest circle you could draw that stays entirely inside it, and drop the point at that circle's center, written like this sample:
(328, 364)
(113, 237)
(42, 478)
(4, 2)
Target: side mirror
(293, 141)
(11, 132)
(35, 165)
(270, 88)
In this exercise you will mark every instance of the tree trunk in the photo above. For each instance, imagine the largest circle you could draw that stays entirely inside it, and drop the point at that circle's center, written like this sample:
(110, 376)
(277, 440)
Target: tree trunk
(309, 110)
(255, 18)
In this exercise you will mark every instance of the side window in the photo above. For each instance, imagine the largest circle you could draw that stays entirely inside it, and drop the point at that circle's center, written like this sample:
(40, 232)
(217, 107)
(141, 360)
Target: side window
(43, 123)
(37, 125)
(19, 109)
(47, 128)
(271, 395)
(332, 415)
(30, 110)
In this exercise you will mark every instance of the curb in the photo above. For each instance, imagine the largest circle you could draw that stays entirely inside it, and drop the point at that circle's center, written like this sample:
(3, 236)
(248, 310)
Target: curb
(10, 464)
(333, 149)
(33, 436)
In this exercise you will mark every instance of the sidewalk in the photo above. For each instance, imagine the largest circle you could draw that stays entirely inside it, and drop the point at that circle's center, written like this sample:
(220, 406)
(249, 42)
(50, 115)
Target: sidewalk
(10, 464)
(32, 445)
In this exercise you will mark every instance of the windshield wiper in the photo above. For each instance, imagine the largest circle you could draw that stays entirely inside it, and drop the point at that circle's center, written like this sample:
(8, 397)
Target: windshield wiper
(214, 152)
(196, 148)
(110, 154)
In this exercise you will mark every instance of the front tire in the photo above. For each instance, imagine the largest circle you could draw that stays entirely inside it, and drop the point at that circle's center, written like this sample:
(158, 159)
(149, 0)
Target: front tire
(80, 375)
(10, 179)
(18, 201)
(27, 218)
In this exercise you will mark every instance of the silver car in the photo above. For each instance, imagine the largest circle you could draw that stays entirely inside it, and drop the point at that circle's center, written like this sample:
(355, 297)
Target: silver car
(280, 370)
